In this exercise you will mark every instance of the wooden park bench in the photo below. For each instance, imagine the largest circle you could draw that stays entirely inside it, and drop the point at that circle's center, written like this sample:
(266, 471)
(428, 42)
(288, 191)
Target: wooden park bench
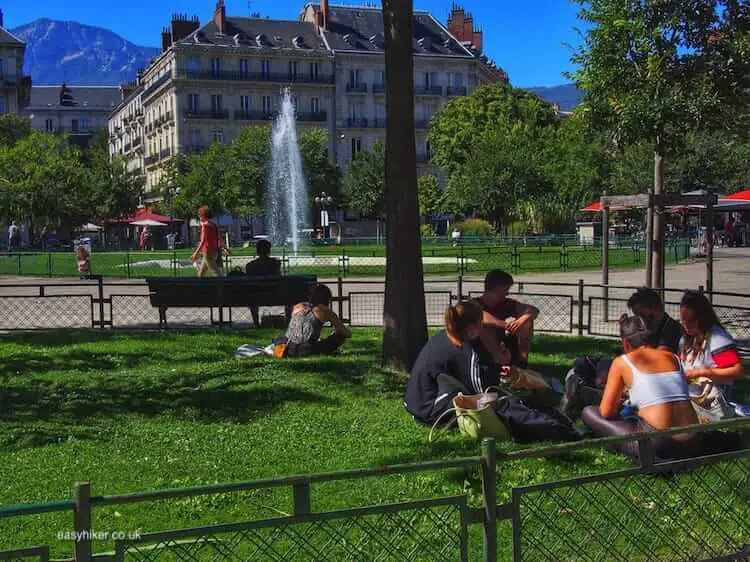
(228, 292)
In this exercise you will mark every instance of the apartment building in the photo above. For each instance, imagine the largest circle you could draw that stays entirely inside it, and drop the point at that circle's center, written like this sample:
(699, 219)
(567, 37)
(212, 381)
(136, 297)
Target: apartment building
(444, 67)
(212, 80)
(126, 128)
(14, 86)
(78, 111)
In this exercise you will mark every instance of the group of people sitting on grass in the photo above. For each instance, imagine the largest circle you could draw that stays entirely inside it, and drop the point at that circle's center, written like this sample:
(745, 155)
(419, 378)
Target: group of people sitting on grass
(661, 380)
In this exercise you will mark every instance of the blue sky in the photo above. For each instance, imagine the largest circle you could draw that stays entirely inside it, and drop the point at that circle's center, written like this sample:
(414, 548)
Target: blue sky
(525, 37)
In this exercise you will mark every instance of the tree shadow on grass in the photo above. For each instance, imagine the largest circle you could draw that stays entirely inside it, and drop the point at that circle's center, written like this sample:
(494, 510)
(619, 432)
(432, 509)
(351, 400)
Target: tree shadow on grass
(573, 347)
(72, 360)
(197, 397)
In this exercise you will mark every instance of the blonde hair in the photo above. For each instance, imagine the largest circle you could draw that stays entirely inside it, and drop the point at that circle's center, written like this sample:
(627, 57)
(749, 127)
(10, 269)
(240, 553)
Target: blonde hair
(460, 317)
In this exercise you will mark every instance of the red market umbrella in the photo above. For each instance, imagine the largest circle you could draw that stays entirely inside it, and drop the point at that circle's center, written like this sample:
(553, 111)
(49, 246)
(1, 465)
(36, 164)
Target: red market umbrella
(142, 215)
(743, 195)
(595, 207)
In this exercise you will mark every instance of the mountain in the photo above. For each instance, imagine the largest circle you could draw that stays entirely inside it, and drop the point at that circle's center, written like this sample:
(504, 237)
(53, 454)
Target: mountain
(67, 51)
(566, 95)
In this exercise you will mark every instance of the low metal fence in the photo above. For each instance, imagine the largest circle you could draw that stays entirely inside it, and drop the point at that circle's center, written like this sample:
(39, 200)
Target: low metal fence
(691, 509)
(565, 308)
(346, 261)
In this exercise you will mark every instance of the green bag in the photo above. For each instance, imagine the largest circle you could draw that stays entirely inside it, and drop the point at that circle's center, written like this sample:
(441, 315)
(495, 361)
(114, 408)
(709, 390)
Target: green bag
(475, 416)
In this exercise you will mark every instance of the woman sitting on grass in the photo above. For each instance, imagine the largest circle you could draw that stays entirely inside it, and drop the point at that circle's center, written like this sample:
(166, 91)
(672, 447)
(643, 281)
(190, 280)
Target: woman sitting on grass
(706, 349)
(306, 324)
(658, 389)
(452, 361)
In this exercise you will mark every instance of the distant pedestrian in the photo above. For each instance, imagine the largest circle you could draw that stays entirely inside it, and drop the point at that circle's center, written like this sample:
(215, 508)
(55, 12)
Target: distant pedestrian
(44, 237)
(14, 237)
(209, 245)
(84, 262)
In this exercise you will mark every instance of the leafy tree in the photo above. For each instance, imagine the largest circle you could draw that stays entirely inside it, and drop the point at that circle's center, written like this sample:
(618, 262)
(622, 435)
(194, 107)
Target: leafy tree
(430, 196)
(13, 128)
(320, 173)
(653, 72)
(492, 145)
(404, 316)
(207, 181)
(364, 184)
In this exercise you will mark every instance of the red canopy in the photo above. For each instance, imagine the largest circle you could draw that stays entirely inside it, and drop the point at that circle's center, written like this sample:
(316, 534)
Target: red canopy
(595, 207)
(140, 215)
(743, 195)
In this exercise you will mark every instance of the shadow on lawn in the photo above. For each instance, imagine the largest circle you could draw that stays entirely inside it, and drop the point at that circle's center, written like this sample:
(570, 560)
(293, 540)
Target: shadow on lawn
(73, 360)
(192, 397)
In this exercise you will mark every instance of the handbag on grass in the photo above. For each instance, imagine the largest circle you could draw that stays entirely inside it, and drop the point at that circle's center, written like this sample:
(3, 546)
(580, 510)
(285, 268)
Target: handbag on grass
(476, 417)
(709, 401)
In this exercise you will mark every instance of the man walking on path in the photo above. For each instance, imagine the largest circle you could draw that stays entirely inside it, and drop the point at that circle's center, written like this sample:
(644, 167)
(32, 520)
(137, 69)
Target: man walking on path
(14, 237)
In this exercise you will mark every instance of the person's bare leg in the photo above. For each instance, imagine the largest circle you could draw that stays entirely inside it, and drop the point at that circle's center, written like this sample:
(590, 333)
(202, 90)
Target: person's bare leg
(524, 335)
(493, 346)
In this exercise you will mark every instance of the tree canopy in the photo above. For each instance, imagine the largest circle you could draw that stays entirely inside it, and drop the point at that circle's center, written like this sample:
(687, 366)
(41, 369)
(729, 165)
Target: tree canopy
(364, 184)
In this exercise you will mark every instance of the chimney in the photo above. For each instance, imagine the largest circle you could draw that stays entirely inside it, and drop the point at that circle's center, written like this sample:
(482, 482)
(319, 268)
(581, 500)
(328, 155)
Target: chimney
(166, 39)
(461, 26)
(220, 16)
(182, 26)
(324, 13)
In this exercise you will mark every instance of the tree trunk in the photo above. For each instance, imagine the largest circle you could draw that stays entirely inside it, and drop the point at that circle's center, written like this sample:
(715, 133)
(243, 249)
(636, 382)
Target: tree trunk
(404, 317)
(657, 275)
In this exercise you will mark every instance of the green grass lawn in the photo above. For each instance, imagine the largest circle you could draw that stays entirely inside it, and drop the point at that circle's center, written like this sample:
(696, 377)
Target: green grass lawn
(364, 260)
(143, 411)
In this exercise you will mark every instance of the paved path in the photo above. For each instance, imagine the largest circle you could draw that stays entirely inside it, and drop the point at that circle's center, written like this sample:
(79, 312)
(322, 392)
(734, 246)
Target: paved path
(69, 304)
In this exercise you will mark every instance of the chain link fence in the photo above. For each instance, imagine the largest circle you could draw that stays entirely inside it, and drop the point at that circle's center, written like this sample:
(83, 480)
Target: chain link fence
(565, 308)
(347, 261)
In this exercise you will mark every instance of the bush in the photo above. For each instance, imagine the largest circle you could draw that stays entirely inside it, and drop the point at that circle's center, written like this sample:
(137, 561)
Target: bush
(476, 227)
(427, 231)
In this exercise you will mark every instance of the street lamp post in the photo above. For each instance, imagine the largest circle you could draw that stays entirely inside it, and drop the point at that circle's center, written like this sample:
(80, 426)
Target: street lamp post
(324, 201)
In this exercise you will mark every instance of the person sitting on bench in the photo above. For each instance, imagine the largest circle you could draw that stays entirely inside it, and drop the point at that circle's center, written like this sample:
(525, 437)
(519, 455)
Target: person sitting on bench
(658, 389)
(506, 321)
(452, 361)
(262, 266)
(306, 324)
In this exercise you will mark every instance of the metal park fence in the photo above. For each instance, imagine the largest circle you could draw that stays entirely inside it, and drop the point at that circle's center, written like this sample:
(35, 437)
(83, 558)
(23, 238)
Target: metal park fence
(565, 308)
(348, 261)
(692, 509)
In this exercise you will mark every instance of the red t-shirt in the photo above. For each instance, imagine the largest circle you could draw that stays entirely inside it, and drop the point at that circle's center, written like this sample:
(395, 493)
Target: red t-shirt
(209, 238)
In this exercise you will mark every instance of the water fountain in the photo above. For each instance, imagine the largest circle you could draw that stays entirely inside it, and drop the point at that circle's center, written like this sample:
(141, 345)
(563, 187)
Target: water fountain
(286, 192)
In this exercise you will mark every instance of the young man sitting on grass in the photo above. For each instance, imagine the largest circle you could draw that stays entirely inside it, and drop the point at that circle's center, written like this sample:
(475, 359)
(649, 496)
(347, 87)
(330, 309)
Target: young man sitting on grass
(507, 324)
(647, 305)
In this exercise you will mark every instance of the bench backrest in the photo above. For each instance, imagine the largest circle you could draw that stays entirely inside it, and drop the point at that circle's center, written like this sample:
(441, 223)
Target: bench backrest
(230, 291)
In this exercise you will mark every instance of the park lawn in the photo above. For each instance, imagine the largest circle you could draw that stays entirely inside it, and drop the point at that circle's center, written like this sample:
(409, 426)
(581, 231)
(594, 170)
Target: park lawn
(478, 260)
(144, 411)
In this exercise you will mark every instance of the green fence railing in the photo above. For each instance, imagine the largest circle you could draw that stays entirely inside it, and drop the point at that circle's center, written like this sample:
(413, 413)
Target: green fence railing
(692, 509)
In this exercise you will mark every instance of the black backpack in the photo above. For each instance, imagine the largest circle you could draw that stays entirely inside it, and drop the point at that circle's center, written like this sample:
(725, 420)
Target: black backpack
(584, 384)
(526, 423)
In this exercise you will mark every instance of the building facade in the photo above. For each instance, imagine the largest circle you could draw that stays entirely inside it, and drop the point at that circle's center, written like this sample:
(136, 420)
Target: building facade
(14, 86)
(212, 80)
(78, 111)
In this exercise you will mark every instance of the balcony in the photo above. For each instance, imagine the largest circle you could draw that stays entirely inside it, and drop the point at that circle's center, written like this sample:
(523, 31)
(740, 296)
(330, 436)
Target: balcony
(313, 117)
(454, 91)
(422, 124)
(253, 115)
(155, 86)
(379, 123)
(166, 153)
(428, 90)
(197, 114)
(353, 123)
(195, 148)
(356, 88)
(284, 78)
(151, 160)
(378, 88)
